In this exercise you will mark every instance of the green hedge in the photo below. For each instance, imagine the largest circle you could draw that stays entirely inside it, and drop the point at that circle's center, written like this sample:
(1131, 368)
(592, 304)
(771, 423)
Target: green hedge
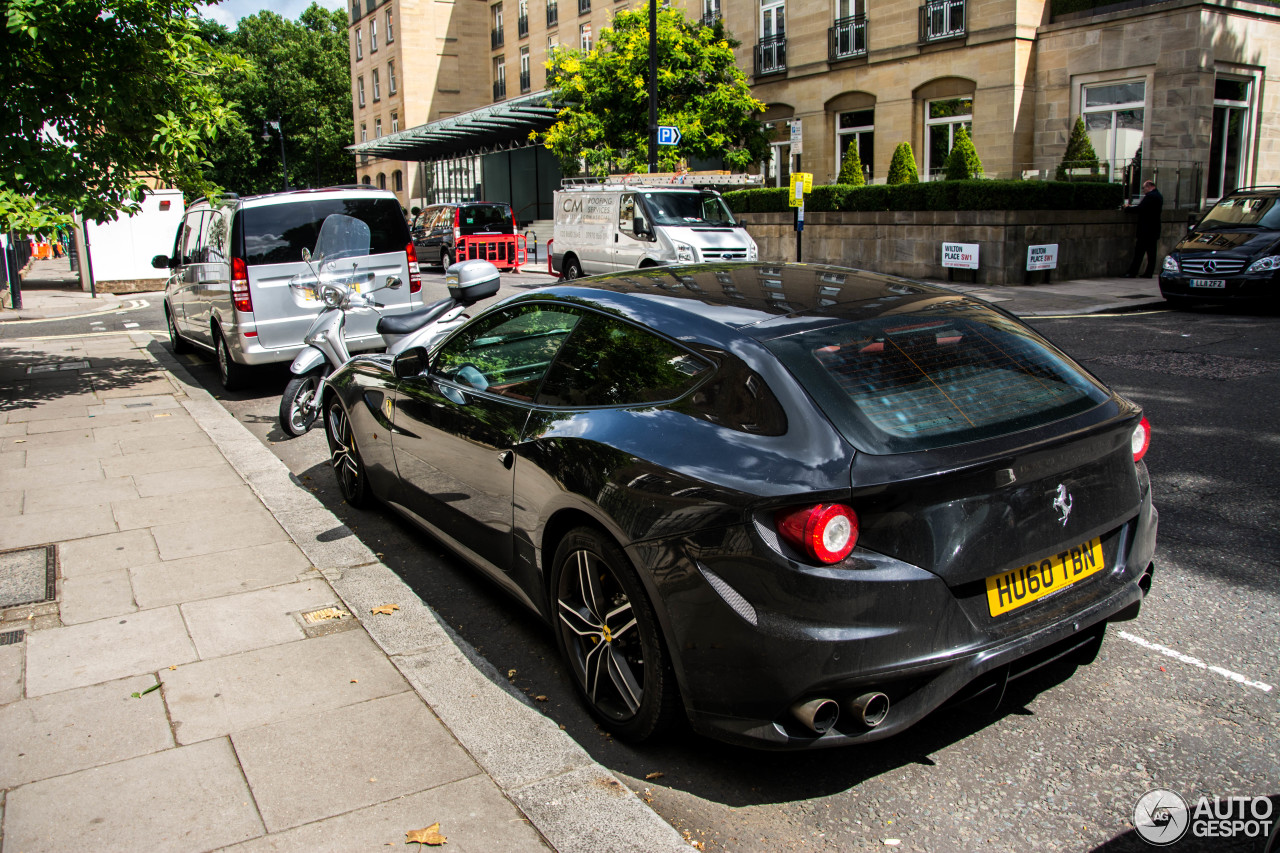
(938, 195)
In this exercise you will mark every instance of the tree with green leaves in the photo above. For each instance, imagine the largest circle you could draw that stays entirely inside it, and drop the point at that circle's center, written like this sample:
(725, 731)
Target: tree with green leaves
(1079, 153)
(902, 168)
(851, 167)
(296, 73)
(963, 160)
(701, 91)
(103, 98)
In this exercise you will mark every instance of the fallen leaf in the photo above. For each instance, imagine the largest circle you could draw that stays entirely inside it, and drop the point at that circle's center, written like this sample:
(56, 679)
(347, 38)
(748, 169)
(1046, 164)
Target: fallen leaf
(355, 681)
(150, 689)
(19, 441)
(430, 836)
(657, 774)
(172, 668)
(539, 698)
(511, 673)
(386, 609)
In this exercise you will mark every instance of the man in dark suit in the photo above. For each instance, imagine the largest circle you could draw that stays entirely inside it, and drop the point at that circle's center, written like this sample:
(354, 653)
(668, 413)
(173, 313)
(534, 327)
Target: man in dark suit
(1148, 230)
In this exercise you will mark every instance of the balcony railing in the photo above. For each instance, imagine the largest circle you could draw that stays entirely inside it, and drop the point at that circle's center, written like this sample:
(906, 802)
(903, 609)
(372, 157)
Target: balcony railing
(584, 6)
(522, 26)
(553, 13)
(495, 38)
(848, 38)
(709, 18)
(771, 55)
(500, 89)
(942, 19)
(525, 82)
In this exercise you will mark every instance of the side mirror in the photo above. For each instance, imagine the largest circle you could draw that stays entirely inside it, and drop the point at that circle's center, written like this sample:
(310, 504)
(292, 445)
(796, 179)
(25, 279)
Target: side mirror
(411, 362)
(160, 262)
(639, 228)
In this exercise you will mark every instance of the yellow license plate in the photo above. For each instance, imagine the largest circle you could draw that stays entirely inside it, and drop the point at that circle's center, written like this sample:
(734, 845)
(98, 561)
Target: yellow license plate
(1019, 587)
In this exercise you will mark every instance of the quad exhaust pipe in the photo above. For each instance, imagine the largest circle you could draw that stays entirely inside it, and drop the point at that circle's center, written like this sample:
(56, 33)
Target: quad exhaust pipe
(820, 715)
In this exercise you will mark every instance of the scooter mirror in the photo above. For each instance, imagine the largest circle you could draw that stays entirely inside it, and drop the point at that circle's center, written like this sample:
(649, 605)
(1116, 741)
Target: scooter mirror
(394, 282)
(306, 254)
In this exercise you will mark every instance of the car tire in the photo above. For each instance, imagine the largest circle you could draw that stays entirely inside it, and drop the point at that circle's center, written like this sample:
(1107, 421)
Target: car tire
(446, 260)
(625, 677)
(296, 414)
(176, 341)
(232, 373)
(344, 456)
(572, 269)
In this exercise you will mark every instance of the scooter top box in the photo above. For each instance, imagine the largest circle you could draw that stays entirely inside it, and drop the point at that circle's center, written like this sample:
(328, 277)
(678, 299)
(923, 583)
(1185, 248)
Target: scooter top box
(471, 281)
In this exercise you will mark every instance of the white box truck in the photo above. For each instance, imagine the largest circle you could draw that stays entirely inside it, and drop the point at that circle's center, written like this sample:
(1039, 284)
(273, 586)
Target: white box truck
(644, 221)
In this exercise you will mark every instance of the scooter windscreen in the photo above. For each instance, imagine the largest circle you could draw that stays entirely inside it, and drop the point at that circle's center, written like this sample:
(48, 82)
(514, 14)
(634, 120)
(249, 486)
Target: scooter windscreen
(333, 268)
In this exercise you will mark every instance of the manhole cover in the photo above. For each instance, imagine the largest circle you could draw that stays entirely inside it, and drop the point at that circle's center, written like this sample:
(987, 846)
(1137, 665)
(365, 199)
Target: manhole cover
(28, 575)
(9, 638)
(1195, 365)
(55, 366)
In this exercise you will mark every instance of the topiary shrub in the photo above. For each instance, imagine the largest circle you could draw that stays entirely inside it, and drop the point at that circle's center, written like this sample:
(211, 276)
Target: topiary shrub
(962, 163)
(902, 168)
(1079, 153)
(851, 168)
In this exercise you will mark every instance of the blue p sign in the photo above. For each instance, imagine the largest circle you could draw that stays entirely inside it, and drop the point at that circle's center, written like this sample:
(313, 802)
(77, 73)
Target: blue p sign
(668, 135)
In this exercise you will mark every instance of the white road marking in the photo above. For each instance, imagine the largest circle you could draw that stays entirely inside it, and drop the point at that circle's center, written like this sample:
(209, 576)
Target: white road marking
(133, 305)
(131, 325)
(1196, 662)
(156, 332)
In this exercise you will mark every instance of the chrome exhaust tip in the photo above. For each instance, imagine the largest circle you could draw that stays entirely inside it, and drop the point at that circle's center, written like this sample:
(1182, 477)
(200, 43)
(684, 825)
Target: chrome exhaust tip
(870, 709)
(818, 715)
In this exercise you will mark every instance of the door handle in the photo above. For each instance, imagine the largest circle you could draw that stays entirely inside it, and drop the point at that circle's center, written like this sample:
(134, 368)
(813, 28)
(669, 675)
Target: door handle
(507, 458)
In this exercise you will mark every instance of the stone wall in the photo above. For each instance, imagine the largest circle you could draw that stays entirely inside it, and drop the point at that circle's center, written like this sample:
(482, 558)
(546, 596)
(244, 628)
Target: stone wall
(1091, 243)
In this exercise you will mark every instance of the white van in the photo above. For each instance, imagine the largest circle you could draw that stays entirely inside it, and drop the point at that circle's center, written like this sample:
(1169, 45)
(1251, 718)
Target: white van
(605, 227)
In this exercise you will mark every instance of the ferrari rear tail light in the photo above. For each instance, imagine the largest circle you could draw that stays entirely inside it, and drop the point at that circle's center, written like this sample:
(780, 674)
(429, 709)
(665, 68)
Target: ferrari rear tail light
(1141, 440)
(415, 277)
(240, 285)
(826, 532)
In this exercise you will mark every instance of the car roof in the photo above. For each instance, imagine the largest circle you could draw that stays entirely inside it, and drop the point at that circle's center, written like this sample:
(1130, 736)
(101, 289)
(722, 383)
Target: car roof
(309, 194)
(762, 301)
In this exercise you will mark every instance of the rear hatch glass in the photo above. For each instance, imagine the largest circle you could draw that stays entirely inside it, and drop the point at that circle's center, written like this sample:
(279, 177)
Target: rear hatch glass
(485, 218)
(947, 375)
(277, 233)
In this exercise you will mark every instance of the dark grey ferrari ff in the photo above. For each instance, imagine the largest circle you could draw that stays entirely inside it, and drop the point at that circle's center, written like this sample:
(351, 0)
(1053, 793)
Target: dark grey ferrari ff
(803, 505)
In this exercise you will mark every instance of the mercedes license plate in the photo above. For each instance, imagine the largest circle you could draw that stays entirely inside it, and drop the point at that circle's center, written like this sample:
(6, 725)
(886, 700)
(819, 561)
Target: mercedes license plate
(1215, 283)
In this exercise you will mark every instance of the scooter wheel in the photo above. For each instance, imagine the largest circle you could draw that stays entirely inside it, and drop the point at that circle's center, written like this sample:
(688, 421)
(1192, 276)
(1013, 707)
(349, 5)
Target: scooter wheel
(298, 405)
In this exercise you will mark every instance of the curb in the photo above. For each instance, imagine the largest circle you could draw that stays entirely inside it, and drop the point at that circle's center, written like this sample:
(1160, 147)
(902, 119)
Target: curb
(576, 804)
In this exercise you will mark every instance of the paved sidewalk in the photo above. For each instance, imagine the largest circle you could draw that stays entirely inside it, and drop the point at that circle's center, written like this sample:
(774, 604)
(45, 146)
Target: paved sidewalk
(169, 679)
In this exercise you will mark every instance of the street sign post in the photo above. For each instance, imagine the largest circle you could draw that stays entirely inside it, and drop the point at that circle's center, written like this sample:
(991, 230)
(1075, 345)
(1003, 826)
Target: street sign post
(801, 183)
(668, 135)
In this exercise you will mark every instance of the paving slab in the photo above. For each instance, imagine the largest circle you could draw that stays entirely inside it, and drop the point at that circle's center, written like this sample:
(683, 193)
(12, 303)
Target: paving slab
(51, 497)
(182, 441)
(137, 464)
(165, 509)
(240, 529)
(215, 574)
(41, 527)
(252, 620)
(182, 800)
(473, 815)
(231, 694)
(110, 552)
(80, 655)
(53, 735)
(11, 671)
(191, 479)
(10, 503)
(86, 598)
(83, 471)
(321, 765)
(68, 455)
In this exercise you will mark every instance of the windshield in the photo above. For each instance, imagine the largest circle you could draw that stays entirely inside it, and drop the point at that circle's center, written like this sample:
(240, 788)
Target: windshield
(688, 209)
(1243, 212)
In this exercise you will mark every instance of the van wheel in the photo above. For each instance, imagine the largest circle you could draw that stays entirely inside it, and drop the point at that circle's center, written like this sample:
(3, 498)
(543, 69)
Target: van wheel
(176, 343)
(446, 260)
(232, 374)
(572, 269)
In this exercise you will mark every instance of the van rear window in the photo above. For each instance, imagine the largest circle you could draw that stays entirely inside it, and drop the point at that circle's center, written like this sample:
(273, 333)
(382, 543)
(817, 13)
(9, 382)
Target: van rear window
(935, 378)
(277, 233)
(473, 218)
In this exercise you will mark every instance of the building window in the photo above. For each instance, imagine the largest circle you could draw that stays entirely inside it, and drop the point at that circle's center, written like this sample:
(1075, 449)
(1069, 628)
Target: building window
(366, 181)
(553, 13)
(377, 128)
(360, 91)
(391, 77)
(373, 35)
(856, 127)
(377, 90)
(941, 118)
(364, 132)
(710, 12)
(771, 52)
(776, 171)
(391, 31)
(397, 180)
(942, 19)
(584, 7)
(525, 79)
(847, 38)
(499, 78)
(522, 19)
(551, 60)
(1229, 142)
(584, 37)
(355, 11)
(359, 44)
(395, 122)
(495, 34)
(382, 181)
(1113, 116)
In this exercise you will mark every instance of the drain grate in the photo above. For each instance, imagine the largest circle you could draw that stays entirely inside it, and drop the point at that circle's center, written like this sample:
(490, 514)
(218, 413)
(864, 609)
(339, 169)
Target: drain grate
(323, 615)
(137, 405)
(1195, 365)
(10, 638)
(55, 366)
(28, 575)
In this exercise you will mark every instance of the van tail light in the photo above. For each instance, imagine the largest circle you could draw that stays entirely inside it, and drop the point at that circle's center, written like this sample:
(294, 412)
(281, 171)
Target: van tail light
(240, 285)
(826, 532)
(415, 277)
(1141, 440)
(457, 225)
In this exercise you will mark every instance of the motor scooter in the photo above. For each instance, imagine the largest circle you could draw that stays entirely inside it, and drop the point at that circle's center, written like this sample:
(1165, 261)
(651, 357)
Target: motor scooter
(340, 289)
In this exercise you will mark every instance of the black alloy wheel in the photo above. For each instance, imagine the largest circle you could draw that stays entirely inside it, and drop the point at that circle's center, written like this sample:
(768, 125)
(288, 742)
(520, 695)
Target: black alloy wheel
(176, 342)
(572, 269)
(609, 637)
(344, 456)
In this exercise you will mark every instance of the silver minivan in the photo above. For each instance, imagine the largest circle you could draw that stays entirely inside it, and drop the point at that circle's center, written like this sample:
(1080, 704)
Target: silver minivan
(228, 289)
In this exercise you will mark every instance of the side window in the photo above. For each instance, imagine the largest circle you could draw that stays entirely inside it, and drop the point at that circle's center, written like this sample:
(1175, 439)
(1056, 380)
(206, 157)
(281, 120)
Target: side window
(507, 353)
(443, 218)
(191, 238)
(611, 363)
(626, 213)
(214, 237)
